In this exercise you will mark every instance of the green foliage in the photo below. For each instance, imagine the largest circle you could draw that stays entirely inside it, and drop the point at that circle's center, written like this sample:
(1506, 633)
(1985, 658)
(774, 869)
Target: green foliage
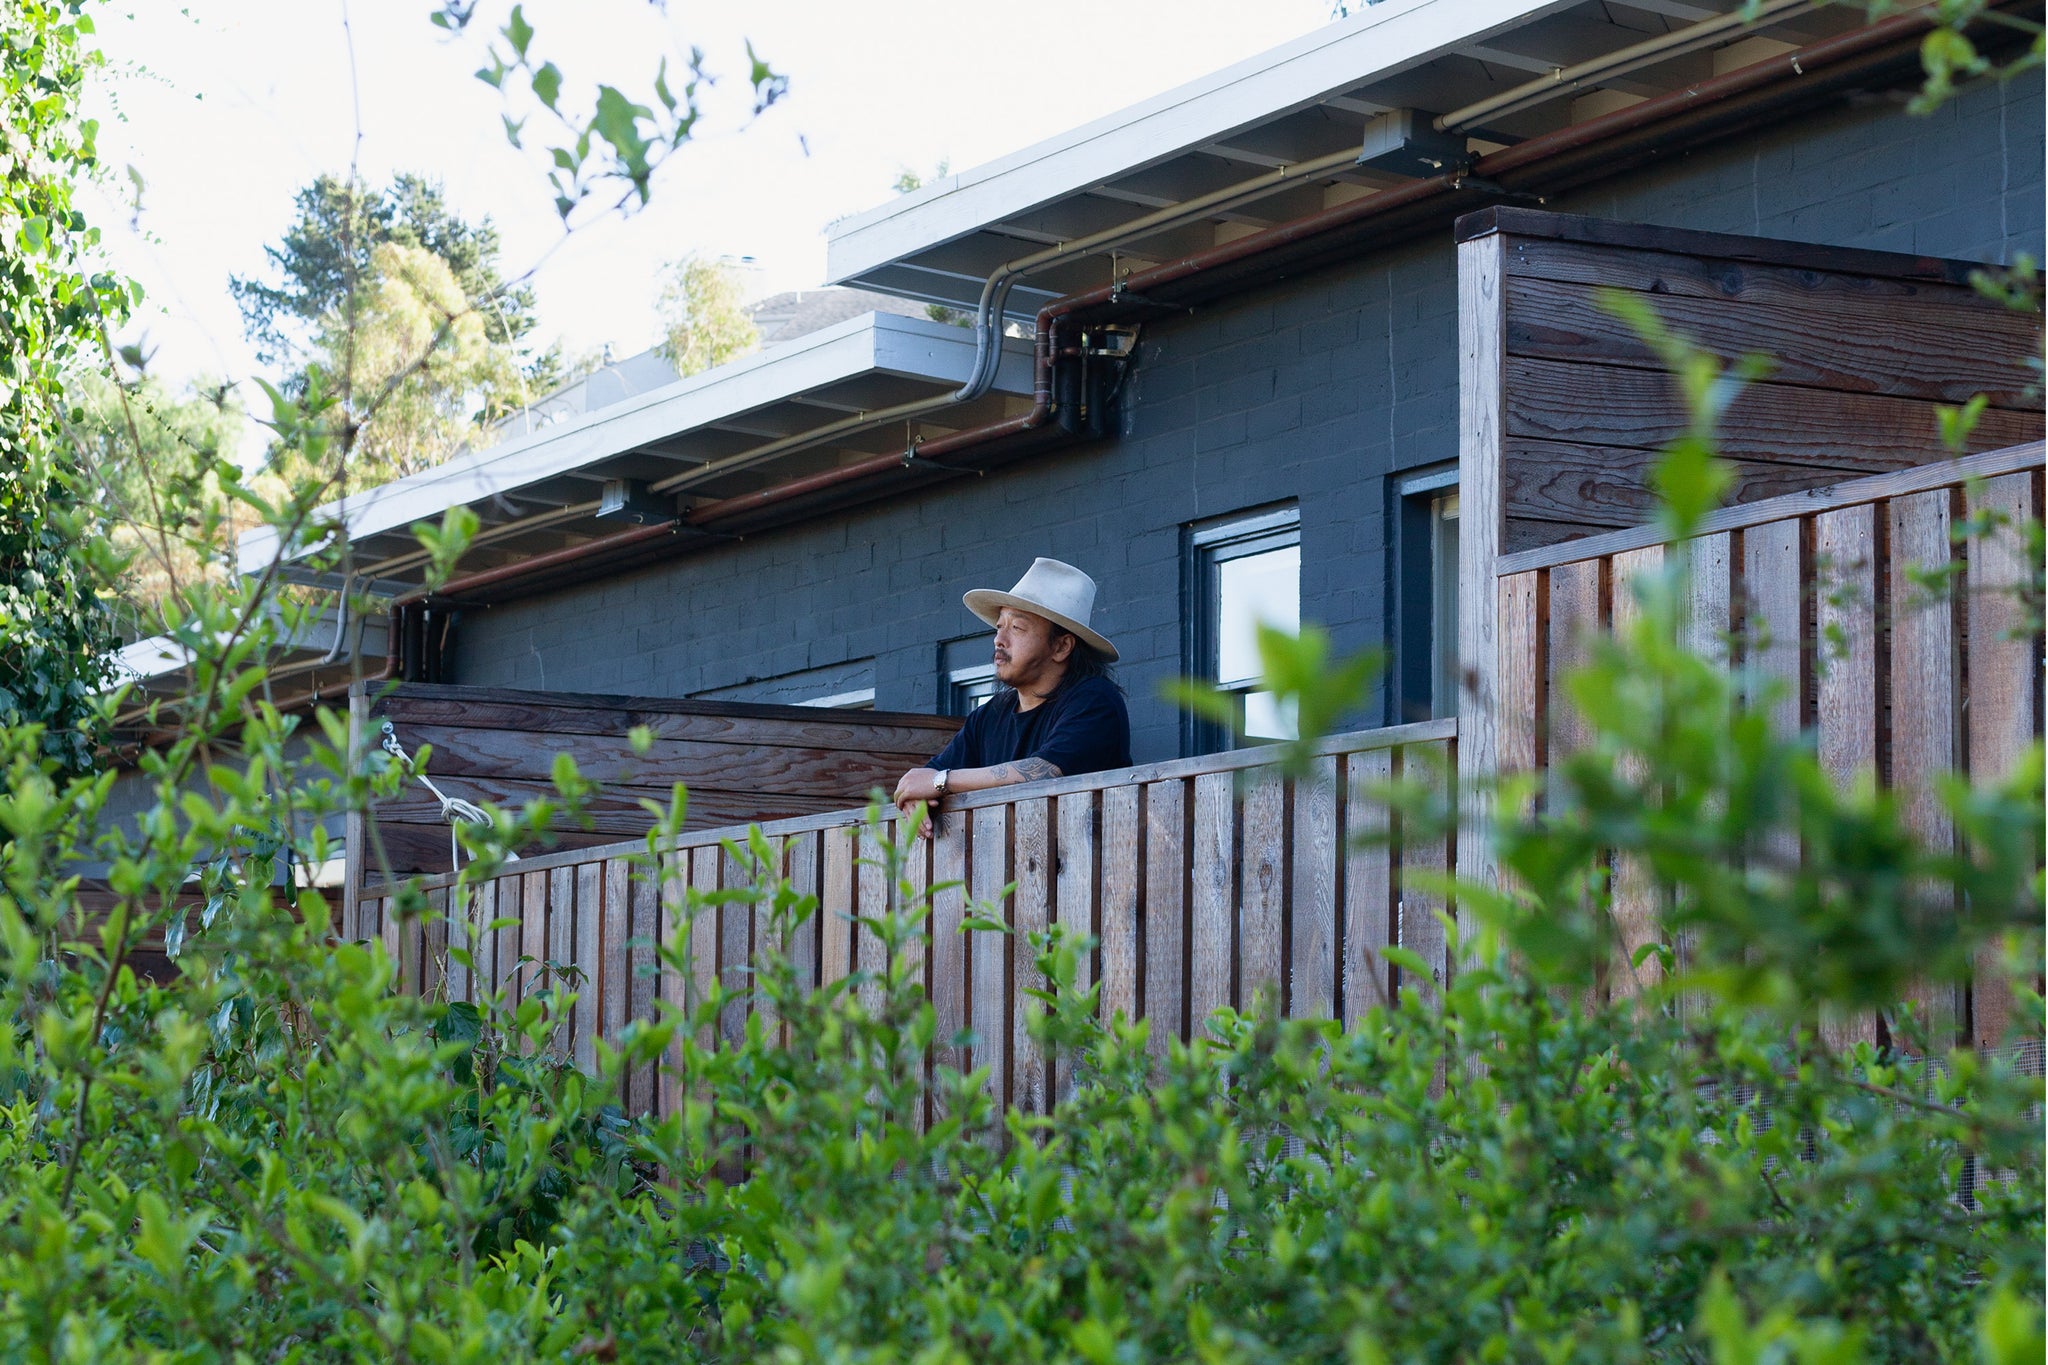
(704, 317)
(53, 636)
(328, 255)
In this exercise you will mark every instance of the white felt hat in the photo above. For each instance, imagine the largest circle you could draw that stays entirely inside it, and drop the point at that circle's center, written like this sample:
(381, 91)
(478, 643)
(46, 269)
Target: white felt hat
(1061, 593)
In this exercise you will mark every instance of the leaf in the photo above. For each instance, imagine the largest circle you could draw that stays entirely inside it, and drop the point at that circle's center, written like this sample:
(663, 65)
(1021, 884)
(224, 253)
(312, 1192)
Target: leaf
(547, 84)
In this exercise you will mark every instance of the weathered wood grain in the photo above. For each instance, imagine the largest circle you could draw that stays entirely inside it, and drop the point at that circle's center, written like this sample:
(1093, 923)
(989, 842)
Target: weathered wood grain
(1932, 342)
(1482, 519)
(2004, 708)
(1313, 935)
(989, 952)
(1165, 914)
(648, 926)
(1576, 620)
(1642, 410)
(835, 907)
(704, 936)
(949, 950)
(1558, 491)
(1925, 697)
(612, 973)
(1212, 895)
(803, 853)
(1774, 621)
(1031, 913)
(676, 982)
(1424, 852)
(1262, 922)
(735, 951)
(1638, 914)
(871, 877)
(1369, 913)
(586, 953)
(1121, 915)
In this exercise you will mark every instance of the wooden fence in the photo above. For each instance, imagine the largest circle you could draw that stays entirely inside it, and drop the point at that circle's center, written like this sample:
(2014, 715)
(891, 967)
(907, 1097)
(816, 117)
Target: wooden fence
(1205, 880)
(1824, 597)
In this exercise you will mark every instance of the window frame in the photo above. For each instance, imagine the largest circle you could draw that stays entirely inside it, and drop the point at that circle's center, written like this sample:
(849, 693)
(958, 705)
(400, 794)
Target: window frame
(1205, 547)
(1425, 675)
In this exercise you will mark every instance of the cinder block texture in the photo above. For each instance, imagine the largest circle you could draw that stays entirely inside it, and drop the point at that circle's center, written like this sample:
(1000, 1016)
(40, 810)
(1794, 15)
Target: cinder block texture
(1320, 390)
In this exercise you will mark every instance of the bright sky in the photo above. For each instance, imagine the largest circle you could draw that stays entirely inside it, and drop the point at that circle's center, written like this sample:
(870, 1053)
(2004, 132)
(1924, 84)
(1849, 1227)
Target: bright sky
(227, 107)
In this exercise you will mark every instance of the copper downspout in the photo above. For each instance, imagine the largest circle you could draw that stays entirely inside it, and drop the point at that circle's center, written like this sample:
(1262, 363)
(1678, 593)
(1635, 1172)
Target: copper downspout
(1816, 69)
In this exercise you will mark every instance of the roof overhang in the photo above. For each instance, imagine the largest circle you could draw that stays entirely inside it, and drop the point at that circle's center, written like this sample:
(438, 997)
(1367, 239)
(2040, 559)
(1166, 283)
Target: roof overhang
(1277, 137)
(688, 442)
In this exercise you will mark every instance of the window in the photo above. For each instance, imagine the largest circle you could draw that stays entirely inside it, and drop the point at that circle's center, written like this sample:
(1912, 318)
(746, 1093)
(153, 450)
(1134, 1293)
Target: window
(1240, 574)
(967, 674)
(1426, 596)
(859, 699)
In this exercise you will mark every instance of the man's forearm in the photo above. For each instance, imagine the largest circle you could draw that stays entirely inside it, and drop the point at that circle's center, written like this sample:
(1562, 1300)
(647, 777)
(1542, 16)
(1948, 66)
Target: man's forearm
(1001, 775)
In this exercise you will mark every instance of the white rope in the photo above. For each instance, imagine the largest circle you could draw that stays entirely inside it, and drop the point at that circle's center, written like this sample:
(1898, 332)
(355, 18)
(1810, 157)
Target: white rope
(454, 810)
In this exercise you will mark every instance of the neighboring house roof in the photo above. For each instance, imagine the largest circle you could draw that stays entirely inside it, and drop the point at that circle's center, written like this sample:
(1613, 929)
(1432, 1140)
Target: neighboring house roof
(612, 382)
(690, 440)
(1278, 136)
(785, 317)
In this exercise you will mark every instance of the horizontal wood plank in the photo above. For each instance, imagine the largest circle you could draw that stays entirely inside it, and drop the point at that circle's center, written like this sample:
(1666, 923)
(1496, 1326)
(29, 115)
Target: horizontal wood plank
(1642, 409)
(1877, 488)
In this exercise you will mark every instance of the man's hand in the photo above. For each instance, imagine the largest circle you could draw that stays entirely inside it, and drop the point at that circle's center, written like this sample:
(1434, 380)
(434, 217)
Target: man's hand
(919, 784)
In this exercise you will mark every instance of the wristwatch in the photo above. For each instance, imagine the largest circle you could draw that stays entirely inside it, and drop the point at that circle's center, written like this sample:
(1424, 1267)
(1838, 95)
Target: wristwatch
(939, 780)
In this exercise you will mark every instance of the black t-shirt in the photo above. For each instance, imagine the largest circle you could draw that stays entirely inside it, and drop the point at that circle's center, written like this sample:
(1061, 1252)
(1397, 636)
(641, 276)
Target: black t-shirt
(1082, 727)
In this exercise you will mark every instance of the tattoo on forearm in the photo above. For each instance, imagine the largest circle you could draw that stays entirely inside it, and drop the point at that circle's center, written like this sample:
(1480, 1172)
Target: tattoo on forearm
(1025, 770)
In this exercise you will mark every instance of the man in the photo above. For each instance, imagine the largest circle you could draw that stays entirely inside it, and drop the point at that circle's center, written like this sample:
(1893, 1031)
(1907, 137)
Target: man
(1058, 714)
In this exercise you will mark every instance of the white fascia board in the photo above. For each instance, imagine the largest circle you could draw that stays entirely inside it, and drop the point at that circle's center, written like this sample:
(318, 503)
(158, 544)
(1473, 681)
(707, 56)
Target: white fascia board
(886, 342)
(1383, 41)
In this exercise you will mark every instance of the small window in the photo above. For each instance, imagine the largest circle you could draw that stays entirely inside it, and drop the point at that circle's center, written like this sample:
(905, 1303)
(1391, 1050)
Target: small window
(1241, 573)
(1426, 596)
(967, 688)
(967, 673)
(859, 699)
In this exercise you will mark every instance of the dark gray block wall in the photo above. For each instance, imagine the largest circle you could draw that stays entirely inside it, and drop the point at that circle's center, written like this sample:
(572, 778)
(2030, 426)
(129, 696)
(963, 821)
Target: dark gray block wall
(1320, 390)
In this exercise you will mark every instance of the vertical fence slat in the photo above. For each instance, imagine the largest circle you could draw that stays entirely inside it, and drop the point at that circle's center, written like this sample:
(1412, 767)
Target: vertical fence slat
(533, 933)
(989, 995)
(802, 855)
(704, 938)
(1212, 910)
(589, 940)
(916, 892)
(1368, 883)
(768, 936)
(1638, 918)
(735, 951)
(1924, 695)
(871, 891)
(949, 946)
(2004, 665)
(1848, 709)
(1076, 877)
(1574, 622)
(675, 983)
(561, 941)
(1707, 632)
(461, 916)
(1423, 851)
(1521, 681)
(1032, 914)
(1165, 912)
(1262, 924)
(1773, 620)
(611, 976)
(1118, 914)
(835, 904)
(641, 980)
(1312, 989)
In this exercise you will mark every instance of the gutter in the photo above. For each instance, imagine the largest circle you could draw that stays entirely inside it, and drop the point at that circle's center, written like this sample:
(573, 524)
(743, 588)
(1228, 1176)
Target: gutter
(1548, 163)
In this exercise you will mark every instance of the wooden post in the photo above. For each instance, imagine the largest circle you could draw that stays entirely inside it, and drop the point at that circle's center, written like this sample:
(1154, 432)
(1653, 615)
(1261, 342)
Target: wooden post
(1482, 397)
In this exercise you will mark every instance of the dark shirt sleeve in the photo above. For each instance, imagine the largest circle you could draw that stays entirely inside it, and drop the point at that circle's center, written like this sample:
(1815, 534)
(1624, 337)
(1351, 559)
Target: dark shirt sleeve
(1092, 731)
(963, 750)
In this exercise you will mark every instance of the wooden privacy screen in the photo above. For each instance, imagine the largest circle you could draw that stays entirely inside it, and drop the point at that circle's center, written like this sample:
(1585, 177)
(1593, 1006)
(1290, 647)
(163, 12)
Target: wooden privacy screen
(1204, 879)
(1817, 594)
(741, 762)
(1863, 345)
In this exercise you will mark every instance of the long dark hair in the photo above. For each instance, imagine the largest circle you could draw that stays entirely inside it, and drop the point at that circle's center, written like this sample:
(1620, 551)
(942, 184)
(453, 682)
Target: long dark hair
(1086, 661)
